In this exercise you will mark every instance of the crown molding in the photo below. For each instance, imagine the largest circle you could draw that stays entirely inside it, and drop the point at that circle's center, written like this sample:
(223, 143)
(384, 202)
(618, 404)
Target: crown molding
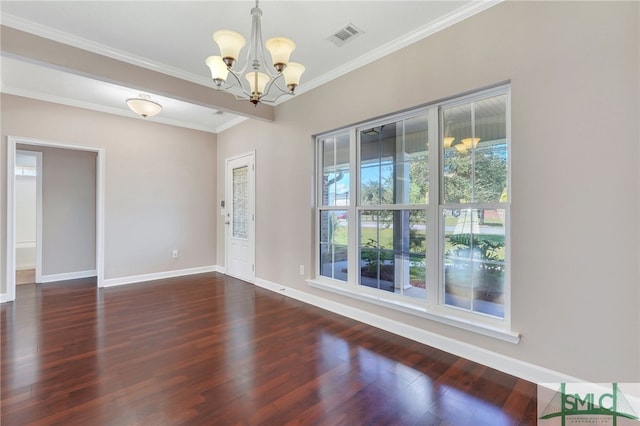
(231, 123)
(46, 97)
(98, 48)
(452, 18)
(428, 29)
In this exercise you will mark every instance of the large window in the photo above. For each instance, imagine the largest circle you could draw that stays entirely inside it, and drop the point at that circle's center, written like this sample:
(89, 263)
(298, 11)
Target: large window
(474, 204)
(392, 220)
(413, 209)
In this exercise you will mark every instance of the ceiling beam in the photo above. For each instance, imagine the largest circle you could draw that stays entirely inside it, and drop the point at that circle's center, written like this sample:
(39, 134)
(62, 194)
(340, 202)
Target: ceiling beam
(82, 62)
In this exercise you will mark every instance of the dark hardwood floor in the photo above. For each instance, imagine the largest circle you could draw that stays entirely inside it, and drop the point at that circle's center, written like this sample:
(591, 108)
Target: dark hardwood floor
(211, 350)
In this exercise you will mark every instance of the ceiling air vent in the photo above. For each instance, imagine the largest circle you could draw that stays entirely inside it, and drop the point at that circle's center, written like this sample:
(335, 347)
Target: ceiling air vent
(345, 34)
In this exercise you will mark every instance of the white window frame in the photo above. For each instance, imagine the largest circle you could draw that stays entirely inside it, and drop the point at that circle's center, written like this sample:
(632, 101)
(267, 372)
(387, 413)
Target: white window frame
(433, 306)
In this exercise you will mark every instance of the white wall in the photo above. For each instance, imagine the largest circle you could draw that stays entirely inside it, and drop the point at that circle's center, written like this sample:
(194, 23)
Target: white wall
(160, 184)
(25, 222)
(574, 69)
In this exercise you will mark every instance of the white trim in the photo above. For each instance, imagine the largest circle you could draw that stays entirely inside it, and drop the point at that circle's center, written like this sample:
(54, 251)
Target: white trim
(425, 31)
(25, 244)
(112, 282)
(220, 269)
(101, 178)
(23, 267)
(10, 277)
(91, 106)
(231, 123)
(464, 12)
(433, 313)
(38, 275)
(12, 141)
(98, 48)
(515, 367)
(67, 276)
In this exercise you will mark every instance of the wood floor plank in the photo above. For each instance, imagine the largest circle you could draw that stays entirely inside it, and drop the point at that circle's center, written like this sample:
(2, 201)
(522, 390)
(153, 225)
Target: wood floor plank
(208, 349)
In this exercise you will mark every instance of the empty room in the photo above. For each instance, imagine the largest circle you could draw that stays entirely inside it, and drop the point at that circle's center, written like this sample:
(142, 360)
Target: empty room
(320, 212)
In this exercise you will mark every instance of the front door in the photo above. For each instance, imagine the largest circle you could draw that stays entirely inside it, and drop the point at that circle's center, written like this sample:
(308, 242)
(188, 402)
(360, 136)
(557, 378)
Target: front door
(240, 217)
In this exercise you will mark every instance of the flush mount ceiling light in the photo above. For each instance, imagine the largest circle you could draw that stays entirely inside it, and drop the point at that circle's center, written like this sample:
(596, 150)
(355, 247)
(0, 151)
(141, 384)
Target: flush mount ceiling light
(144, 106)
(260, 83)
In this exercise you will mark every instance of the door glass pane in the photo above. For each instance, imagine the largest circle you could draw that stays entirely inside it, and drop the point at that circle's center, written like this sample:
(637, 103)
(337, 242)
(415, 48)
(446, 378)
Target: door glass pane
(240, 202)
(333, 244)
(474, 260)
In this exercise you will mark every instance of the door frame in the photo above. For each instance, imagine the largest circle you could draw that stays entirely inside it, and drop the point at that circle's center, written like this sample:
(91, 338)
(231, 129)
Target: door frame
(251, 160)
(12, 141)
(38, 155)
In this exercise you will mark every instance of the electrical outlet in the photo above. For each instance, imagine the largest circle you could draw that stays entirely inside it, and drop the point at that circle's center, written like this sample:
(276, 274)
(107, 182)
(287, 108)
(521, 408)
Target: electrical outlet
(301, 269)
(174, 254)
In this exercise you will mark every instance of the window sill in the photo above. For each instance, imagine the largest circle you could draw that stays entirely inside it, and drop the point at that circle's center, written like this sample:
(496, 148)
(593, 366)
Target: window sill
(420, 310)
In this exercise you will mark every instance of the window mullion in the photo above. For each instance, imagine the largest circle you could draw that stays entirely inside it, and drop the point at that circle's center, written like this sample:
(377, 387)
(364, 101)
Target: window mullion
(433, 210)
(352, 218)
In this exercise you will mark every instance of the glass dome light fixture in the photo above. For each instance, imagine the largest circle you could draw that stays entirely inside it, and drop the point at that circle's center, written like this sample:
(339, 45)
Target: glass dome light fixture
(260, 83)
(144, 106)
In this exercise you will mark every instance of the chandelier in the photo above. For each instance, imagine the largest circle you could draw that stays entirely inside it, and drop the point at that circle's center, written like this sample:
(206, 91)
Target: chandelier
(260, 83)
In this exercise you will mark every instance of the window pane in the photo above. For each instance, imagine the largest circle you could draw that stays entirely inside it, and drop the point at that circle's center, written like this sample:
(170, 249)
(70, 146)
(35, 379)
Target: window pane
(394, 163)
(456, 176)
(416, 149)
(377, 154)
(335, 171)
(474, 260)
(393, 251)
(491, 151)
(333, 244)
(475, 152)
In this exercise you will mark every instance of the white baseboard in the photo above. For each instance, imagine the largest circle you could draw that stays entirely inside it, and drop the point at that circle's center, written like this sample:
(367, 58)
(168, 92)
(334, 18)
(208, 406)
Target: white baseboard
(220, 269)
(4, 298)
(515, 367)
(25, 267)
(111, 282)
(67, 276)
(25, 244)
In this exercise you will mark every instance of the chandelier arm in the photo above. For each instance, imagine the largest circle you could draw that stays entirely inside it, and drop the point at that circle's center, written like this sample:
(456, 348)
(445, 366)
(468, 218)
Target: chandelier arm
(238, 82)
(274, 82)
(274, 99)
(277, 84)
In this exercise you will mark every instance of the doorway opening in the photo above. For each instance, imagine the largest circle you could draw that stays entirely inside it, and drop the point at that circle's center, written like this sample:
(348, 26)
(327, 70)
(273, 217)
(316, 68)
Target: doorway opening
(28, 196)
(11, 253)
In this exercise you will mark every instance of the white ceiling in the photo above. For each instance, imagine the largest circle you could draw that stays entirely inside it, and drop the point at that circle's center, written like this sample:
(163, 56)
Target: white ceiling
(174, 37)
